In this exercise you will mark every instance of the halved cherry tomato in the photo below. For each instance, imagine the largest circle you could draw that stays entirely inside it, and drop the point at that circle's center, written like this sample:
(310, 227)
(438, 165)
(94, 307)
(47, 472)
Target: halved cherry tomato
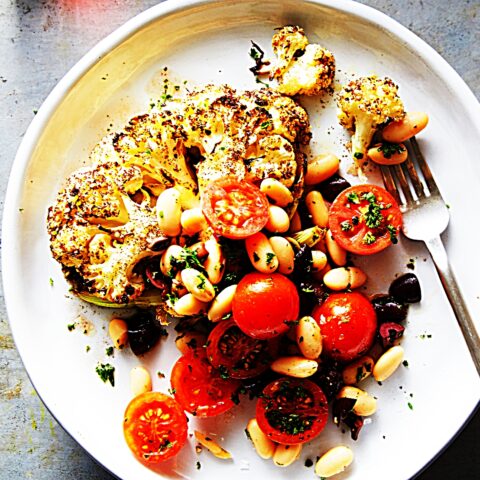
(240, 355)
(292, 411)
(365, 219)
(348, 323)
(264, 304)
(234, 209)
(199, 388)
(155, 427)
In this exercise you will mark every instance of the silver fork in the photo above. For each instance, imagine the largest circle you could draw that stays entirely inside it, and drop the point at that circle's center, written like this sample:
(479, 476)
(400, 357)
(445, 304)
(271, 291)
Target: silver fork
(425, 217)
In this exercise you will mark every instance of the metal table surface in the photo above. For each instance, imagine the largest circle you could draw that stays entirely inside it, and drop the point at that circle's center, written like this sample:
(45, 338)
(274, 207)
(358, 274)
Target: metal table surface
(39, 42)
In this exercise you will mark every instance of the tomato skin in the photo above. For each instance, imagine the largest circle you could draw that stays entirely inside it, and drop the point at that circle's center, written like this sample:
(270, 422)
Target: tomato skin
(234, 209)
(287, 403)
(348, 221)
(264, 304)
(231, 349)
(199, 388)
(348, 323)
(164, 436)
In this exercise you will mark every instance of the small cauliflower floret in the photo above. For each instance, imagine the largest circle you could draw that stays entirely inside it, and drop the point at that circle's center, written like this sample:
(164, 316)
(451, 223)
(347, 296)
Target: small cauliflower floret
(301, 68)
(365, 104)
(99, 234)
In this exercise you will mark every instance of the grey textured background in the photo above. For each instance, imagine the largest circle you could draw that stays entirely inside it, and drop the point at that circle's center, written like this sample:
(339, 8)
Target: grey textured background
(39, 42)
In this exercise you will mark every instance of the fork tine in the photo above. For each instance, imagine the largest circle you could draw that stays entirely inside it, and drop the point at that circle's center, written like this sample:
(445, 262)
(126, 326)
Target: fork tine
(389, 183)
(403, 183)
(412, 172)
(432, 186)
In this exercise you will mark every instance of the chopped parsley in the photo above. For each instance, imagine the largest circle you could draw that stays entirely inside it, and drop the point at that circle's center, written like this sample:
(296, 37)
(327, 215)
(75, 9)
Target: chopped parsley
(270, 257)
(198, 465)
(358, 155)
(109, 351)
(353, 198)
(410, 406)
(266, 124)
(201, 282)
(346, 226)
(373, 216)
(106, 373)
(393, 234)
(405, 363)
(71, 327)
(369, 238)
(171, 298)
(51, 282)
(390, 149)
(87, 348)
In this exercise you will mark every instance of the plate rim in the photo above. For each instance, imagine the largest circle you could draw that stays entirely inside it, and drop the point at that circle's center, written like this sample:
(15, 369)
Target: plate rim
(10, 222)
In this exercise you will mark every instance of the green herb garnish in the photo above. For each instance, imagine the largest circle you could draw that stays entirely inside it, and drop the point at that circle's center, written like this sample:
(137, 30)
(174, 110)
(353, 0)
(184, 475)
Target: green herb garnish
(106, 373)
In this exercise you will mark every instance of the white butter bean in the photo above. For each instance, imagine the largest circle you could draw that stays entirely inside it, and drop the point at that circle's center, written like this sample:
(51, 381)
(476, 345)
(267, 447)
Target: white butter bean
(278, 221)
(365, 404)
(172, 255)
(309, 338)
(140, 380)
(319, 260)
(298, 367)
(336, 252)
(335, 461)
(118, 331)
(277, 191)
(388, 363)
(285, 254)
(169, 211)
(198, 284)
(321, 167)
(215, 262)
(262, 444)
(222, 304)
(317, 208)
(285, 455)
(358, 370)
(193, 221)
(189, 305)
(410, 125)
(343, 278)
(260, 253)
(188, 341)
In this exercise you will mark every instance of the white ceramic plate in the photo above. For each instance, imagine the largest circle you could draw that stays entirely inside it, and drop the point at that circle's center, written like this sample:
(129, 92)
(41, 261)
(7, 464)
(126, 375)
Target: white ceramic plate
(209, 42)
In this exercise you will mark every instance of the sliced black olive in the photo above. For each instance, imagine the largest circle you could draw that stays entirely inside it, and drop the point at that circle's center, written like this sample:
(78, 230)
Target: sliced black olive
(388, 309)
(389, 332)
(406, 288)
(332, 187)
(143, 332)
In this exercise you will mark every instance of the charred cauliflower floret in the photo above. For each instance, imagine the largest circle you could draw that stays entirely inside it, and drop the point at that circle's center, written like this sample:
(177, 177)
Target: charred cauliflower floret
(104, 222)
(300, 67)
(365, 104)
(99, 234)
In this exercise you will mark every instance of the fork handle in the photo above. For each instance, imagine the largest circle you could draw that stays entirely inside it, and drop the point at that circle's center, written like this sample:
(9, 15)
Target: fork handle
(439, 256)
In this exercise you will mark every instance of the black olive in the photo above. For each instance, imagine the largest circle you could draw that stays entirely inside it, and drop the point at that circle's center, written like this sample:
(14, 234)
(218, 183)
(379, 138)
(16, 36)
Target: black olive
(332, 187)
(406, 288)
(143, 332)
(389, 332)
(388, 309)
(329, 378)
(342, 413)
(303, 264)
